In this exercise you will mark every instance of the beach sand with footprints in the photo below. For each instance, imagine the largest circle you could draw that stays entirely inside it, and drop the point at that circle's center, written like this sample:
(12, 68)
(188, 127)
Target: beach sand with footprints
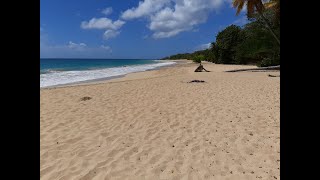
(156, 125)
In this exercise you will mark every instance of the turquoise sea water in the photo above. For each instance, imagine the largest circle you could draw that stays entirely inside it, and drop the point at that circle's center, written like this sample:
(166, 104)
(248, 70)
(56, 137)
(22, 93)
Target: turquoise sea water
(64, 71)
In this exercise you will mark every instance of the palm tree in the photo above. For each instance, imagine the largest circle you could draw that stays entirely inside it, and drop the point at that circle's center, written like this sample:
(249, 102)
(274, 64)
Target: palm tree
(275, 5)
(255, 6)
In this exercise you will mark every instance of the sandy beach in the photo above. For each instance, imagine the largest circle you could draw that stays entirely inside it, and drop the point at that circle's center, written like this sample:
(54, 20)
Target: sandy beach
(154, 125)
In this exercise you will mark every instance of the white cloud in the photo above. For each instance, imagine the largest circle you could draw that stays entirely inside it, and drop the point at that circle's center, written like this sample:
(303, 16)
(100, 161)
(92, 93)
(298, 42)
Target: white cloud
(145, 8)
(171, 17)
(183, 17)
(168, 34)
(118, 23)
(107, 48)
(71, 50)
(111, 27)
(107, 11)
(110, 34)
(102, 23)
(203, 46)
(73, 45)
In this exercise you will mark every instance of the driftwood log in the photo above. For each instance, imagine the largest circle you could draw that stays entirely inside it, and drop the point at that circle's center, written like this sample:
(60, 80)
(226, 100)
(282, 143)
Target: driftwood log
(196, 81)
(85, 98)
(257, 69)
(200, 68)
(270, 75)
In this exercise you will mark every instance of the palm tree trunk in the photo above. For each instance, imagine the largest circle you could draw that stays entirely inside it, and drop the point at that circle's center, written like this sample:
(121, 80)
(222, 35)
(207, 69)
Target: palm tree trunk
(269, 28)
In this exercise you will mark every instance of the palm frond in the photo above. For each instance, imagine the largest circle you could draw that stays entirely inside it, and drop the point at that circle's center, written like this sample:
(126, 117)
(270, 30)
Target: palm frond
(238, 4)
(269, 4)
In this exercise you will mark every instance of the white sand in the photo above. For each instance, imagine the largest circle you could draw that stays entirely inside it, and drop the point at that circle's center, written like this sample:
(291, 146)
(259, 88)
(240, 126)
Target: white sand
(154, 125)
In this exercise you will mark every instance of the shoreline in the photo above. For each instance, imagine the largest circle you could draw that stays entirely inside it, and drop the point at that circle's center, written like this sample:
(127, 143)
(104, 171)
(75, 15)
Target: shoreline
(109, 79)
(103, 80)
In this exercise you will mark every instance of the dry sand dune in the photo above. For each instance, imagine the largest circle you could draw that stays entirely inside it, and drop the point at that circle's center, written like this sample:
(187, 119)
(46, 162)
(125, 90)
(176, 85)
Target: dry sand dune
(154, 125)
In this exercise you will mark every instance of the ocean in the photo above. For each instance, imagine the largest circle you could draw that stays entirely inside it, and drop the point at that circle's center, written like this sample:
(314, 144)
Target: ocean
(66, 71)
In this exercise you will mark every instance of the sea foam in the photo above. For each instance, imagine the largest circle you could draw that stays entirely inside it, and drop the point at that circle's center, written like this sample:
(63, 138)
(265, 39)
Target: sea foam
(65, 77)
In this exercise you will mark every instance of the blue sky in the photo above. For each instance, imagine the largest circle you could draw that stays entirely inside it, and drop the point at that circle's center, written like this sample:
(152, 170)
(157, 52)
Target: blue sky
(131, 28)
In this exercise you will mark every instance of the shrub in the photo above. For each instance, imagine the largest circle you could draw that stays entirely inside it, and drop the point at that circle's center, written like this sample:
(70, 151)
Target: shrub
(269, 62)
(198, 58)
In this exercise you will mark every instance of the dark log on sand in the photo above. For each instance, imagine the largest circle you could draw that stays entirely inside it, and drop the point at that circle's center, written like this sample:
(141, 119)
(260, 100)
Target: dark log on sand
(270, 75)
(196, 81)
(257, 69)
(85, 98)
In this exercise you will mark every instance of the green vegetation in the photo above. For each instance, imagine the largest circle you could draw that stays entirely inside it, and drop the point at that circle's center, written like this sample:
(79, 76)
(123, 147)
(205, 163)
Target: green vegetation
(255, 43)
(207, 54)
(227, 44)
(198, 58)
(257, 6)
